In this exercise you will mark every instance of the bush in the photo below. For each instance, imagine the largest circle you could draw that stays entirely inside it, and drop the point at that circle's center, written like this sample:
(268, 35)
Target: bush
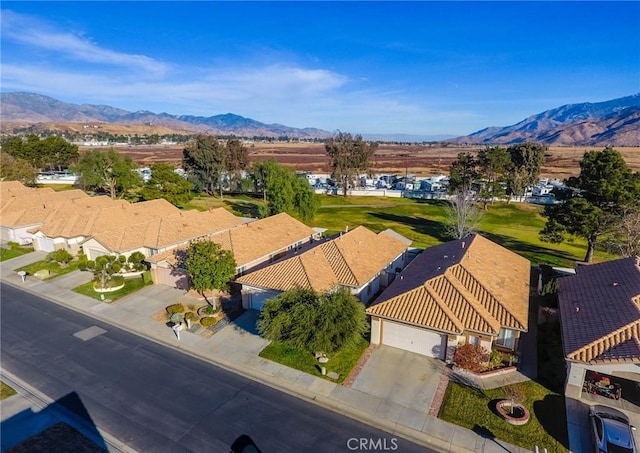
(208, 321)
(146, 278)
(175, 308)
(60, 256)
(191, 315)
(471, 358)
(495, 359)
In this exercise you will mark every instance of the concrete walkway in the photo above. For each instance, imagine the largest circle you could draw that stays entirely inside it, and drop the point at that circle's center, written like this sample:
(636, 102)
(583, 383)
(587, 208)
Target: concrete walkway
(386, 405)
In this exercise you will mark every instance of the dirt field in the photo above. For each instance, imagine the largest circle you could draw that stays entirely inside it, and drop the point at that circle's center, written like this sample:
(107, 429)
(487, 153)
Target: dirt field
(420, 160)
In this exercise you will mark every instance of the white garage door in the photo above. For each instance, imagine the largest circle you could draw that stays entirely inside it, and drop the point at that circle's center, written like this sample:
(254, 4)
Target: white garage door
(413, 339)
(258, 299)
(44, 244)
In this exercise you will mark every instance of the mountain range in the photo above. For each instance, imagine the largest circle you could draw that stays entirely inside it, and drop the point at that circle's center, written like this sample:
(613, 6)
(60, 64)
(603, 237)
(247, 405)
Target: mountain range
(615, 122)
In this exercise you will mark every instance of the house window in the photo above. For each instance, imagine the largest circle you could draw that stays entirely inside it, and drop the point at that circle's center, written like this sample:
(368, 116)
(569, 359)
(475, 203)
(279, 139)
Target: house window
(241, 270)
(506, 338)
(473, 339)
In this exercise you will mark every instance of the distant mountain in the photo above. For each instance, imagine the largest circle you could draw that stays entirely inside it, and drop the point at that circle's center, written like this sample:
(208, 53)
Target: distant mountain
(615, 122)
(36, 108)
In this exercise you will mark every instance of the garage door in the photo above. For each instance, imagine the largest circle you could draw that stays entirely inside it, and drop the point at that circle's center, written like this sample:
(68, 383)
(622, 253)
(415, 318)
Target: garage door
(44, 244)
(258, 299)
(413, 339)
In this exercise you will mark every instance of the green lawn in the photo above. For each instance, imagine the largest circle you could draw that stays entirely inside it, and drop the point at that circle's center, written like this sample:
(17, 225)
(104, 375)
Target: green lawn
(13, 251)
(6, 391)
(341, 362)
(130, 285)
(475, 409)
(53, 267)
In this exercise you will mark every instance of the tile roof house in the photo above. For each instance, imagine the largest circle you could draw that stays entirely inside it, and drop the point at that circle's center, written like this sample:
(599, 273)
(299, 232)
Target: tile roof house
(600, 317)
(252, 244)
(469, 290)
(360, 260)
(23, 208)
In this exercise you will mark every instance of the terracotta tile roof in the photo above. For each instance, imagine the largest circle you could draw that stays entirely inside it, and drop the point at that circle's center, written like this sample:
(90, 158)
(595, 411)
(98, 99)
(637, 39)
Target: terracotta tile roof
(164, 231)
(465, 285)
(352, 259)
(251, 241)
(600, 312)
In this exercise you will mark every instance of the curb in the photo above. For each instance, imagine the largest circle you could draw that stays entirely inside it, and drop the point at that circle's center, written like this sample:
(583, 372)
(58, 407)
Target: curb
(393, 428)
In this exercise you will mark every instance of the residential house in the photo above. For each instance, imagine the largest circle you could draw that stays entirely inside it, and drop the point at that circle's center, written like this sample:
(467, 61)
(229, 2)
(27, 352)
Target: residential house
(465, 291)
(252, 244)
(600, 317)
(360, 260)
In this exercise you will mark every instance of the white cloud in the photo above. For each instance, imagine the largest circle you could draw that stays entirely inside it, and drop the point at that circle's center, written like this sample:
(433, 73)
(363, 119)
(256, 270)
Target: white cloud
(35, 33)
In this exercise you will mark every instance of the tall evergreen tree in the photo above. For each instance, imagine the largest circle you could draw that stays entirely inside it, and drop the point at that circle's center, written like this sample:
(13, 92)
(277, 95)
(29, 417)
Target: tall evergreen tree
(349, 157)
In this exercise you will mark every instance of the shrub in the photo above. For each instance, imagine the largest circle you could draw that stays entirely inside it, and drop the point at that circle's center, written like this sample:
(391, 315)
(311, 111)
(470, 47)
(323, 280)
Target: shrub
(470, 357)
(175, 308)
(116, 267)
(136, 261)
(60, 256)
(191, 315)
(211, 310)
(495, 359)
(146, 278)
(208, 321)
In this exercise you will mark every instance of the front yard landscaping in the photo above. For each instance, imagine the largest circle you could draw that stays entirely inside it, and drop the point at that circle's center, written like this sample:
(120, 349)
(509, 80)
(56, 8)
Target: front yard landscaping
(475, 409)
(14, 250)
(341, 361)
(130, 285)
(54, 269)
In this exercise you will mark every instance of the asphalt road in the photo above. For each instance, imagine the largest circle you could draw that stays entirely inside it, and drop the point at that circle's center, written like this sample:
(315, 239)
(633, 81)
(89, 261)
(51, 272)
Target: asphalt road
(156, 399)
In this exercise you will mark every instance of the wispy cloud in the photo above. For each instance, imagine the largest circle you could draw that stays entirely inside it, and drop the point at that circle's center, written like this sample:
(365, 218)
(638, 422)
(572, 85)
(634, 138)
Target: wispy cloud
(33, 32)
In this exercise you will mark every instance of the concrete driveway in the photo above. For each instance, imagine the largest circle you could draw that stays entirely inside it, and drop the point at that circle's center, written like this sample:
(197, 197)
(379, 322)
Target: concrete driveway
(400, 377)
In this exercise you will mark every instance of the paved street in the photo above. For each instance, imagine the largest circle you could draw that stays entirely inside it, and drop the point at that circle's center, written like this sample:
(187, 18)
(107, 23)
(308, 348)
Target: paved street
(155, 398)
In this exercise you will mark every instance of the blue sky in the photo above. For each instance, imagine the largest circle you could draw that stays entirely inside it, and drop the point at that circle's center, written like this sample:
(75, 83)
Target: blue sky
(426, 68)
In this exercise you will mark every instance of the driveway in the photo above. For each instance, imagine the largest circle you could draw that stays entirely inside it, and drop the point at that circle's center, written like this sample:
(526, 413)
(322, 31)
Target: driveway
(400, 377)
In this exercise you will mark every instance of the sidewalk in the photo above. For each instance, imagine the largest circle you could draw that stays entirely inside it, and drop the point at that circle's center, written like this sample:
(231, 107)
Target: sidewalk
(236, 348)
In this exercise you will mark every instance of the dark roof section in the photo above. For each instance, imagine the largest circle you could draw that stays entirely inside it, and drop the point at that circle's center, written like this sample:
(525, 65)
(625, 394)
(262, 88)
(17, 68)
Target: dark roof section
(600, 312)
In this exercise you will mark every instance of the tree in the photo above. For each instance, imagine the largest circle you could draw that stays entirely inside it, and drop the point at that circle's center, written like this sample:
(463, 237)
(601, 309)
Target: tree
(283, 191)
(16, 169)
(166, 183)
(209, 266)
(49, 153)
(462, 173)
(624, 237)
(605, 188)
(349, 157)
(205, 160)
(237, 160)
(312, 322)
(107, 170)
(60, 256)
(462, 216)
(527, 160)
(494, 164)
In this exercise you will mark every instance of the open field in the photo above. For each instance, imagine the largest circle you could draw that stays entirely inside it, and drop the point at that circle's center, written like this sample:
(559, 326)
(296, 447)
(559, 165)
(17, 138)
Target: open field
(421, 160)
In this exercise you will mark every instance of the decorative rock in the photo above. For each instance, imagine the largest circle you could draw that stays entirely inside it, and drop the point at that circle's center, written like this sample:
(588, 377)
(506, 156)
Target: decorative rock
(333, 375)
(323, 359)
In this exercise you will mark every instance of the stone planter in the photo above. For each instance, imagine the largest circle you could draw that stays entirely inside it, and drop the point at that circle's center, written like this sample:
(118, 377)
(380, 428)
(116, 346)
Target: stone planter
(108, 290)
(514, 414)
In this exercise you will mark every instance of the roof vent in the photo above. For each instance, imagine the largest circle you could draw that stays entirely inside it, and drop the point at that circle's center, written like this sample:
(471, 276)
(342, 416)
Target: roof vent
(463, 244)
(577, 309)
(446, 256)
(614, 284)
(402, 277)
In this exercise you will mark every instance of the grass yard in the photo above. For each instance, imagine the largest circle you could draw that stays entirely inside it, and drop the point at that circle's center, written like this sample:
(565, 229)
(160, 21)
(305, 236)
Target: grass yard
(341, 362)
(131, 285)
(13, 251)
(6, 391)
(475, 409)
(514, 226)
(54, 268)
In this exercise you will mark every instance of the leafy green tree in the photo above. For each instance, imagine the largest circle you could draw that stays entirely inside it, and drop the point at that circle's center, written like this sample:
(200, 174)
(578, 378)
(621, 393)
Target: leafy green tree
(107, 170)
(209, 266)
(17, 169)
(103, 268)
(204, 160)
(349, 157)
(308, 321)
(605, 187)
(463, 173)
(284, 192)
(494, 164)
(237, 160)
(526, 159)
(136, 261)
(60, 256)
(50, 153)
(166, 183)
